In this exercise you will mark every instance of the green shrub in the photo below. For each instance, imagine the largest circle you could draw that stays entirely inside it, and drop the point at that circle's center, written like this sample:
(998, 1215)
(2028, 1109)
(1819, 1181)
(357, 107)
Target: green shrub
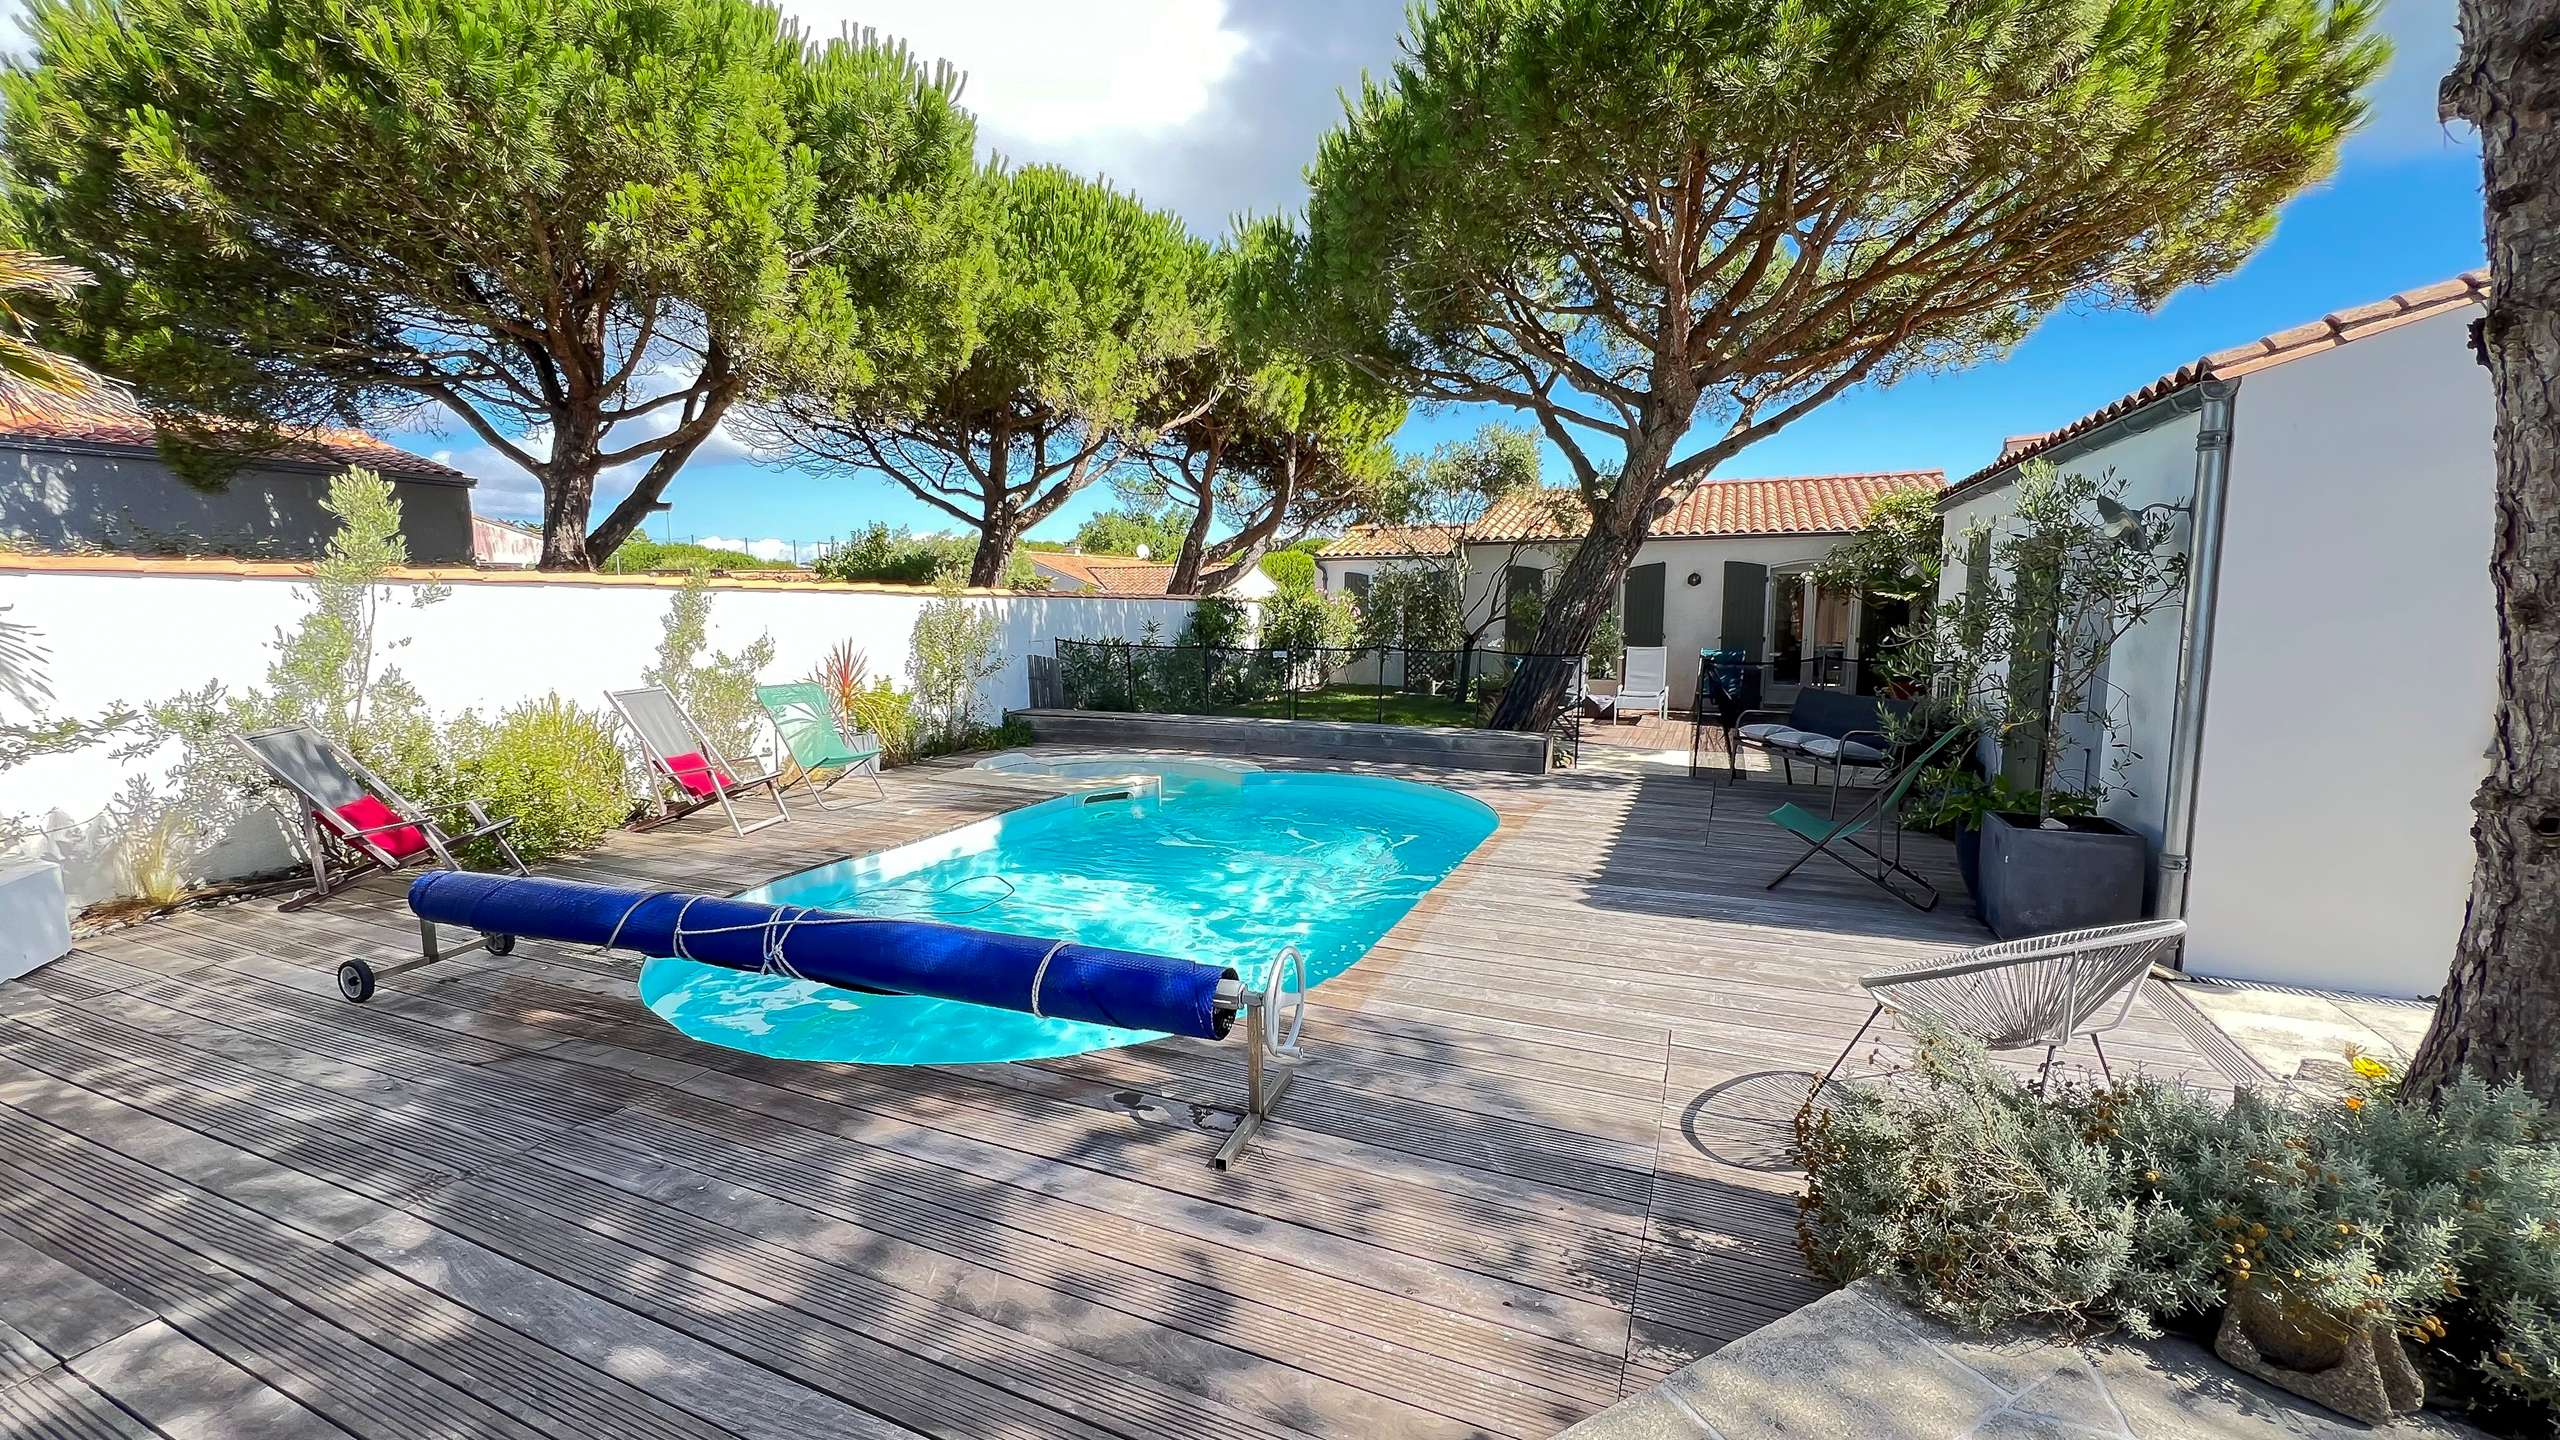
(1300, 621)
(2132, 1205)
(553, 765)
(886, 555)
(2487, 1159)
(951, 652)
(1984, 1203)
(1952, 797)
(1216, 621)
(882, 708)
(642, 554)
(1290, 569)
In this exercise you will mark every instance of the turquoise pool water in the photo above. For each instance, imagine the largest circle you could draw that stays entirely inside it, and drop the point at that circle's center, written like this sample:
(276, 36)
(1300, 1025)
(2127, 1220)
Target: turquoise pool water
(1225, 870)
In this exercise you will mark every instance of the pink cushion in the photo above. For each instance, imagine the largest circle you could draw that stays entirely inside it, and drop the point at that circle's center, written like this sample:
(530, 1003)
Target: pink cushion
(696, 775)
(365, 812)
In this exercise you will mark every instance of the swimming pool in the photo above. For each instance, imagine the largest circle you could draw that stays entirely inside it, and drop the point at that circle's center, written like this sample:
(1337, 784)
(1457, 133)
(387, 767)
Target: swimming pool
(1223, 870)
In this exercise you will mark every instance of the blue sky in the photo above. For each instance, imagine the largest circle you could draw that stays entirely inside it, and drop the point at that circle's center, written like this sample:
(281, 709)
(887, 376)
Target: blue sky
(1257, 85)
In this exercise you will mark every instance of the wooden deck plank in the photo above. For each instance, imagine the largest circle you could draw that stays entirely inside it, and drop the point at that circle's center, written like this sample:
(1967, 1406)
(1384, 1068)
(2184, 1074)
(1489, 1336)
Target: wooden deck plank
(187, 1392)
(1536, 1158)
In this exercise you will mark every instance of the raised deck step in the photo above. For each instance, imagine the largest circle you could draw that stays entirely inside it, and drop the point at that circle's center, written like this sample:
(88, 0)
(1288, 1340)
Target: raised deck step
(1504, 750)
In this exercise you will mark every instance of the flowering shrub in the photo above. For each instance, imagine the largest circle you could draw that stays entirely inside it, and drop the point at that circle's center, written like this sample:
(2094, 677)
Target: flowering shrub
(2136, 1204)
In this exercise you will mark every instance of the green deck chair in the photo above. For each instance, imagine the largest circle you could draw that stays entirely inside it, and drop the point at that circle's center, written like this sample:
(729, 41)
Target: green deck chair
(804, 715)
(1821, 833)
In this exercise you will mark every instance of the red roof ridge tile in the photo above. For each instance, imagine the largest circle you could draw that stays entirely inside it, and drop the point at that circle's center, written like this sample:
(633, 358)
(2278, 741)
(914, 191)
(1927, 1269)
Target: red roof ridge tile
(2338, 327)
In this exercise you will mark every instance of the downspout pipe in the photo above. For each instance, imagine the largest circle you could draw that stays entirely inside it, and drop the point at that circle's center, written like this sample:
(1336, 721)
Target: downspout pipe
(2215, 401)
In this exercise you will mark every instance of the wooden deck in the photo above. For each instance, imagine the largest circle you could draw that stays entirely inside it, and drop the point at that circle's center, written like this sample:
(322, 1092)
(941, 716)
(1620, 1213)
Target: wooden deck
(1534, 1161)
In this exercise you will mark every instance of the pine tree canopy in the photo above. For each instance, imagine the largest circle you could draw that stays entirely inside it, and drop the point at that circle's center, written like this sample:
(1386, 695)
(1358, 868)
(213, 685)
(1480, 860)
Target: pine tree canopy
(582, 228)
(1636, 218)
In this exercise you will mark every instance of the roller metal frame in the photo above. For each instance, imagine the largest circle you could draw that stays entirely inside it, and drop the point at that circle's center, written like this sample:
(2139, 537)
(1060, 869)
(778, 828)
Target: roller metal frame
(356, 979)
(1270, 1057)
(1274, 1021)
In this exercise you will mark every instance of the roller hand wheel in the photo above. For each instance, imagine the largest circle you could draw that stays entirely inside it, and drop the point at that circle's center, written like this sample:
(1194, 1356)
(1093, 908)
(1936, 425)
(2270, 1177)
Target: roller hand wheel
(355, 981)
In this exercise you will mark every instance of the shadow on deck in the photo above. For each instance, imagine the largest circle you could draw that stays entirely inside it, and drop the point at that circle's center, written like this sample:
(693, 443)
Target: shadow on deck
(1535, 1159)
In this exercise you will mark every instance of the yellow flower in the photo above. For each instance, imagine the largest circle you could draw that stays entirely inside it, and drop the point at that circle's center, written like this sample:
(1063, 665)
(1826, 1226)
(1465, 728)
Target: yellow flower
(2369, 1068)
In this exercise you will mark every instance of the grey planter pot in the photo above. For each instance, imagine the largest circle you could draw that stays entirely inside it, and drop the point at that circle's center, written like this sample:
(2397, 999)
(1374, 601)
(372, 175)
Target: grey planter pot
(2037, 881)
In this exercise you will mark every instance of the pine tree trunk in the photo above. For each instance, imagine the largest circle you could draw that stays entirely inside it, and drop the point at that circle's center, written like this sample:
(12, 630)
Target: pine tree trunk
(568, 491)
(1195, 549)
(2501, 1007)
(995, 545)
(1582, 594)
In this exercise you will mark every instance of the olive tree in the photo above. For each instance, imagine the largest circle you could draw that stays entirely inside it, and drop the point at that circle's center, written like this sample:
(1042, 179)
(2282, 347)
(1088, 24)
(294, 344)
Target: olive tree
(585, 228)
(1666, 229)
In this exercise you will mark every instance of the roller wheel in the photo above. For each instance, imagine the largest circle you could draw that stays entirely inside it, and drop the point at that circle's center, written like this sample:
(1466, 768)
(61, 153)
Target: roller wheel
(500, 945)
(355, 981)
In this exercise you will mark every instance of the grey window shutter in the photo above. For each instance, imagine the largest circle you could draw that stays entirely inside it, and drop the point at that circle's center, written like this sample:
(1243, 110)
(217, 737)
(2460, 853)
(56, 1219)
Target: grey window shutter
(1746, 607)
(1644, 624)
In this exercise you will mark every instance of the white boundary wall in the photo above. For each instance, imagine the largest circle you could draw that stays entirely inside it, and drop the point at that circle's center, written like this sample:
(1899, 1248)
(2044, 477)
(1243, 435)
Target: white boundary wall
(76, 643)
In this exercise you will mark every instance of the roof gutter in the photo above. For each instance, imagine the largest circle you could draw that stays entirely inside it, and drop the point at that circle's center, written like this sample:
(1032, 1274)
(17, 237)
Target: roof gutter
(2215, 401)
(2181, 401)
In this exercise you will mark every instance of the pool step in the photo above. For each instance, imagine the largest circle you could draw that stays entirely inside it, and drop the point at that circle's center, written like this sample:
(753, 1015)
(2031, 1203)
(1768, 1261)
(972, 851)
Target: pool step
(1504, 750)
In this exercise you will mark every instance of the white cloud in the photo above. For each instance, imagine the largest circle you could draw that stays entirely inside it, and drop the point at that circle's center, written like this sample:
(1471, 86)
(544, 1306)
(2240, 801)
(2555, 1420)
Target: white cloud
(1047, 74)
(761, 549)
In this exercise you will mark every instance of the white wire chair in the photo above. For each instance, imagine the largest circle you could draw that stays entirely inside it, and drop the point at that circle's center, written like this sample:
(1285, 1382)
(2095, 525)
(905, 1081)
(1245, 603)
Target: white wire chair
(2044, 990)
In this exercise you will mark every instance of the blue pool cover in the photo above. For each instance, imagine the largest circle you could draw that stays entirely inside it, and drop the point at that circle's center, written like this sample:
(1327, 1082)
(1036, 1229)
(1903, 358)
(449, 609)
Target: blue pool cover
(1085, 983)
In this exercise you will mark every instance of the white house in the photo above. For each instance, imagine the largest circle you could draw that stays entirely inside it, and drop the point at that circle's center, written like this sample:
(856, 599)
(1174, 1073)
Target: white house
(2310, 724)
(1725, 569)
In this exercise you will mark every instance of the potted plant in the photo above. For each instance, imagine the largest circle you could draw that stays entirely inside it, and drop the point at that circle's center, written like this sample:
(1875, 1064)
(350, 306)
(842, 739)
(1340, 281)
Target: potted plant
(1954, 799)
(2021, 652)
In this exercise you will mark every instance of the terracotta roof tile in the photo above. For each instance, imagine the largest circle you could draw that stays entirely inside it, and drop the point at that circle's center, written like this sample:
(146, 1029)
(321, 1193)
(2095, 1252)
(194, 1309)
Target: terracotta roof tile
(1782, 505)
(1387, 542)
(1133, 577)
(2326, 333)
(1119, 574)
(113, 420)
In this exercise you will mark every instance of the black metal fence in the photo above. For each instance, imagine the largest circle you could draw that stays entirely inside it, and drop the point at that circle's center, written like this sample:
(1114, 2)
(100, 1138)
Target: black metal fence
(1383, 685)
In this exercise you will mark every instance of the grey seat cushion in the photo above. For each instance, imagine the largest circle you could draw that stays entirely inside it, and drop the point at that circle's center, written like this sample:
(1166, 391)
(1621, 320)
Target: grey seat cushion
(1823, 747)
(1762, 730)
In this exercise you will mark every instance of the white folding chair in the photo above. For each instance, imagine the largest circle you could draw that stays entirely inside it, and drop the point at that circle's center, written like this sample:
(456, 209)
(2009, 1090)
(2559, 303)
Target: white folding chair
(348, 808)
(1644, 683)
(686, 769)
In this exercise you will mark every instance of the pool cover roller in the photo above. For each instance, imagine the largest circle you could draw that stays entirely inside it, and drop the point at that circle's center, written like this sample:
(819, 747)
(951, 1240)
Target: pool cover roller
(906, 957)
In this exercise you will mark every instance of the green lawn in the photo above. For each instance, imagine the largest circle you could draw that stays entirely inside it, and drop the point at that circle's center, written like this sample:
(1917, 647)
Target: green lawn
(1359, 702)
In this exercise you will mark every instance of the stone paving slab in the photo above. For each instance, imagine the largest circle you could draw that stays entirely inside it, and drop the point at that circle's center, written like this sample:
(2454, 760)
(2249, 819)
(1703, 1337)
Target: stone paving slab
(2289, 1031)
(1860, 1363)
